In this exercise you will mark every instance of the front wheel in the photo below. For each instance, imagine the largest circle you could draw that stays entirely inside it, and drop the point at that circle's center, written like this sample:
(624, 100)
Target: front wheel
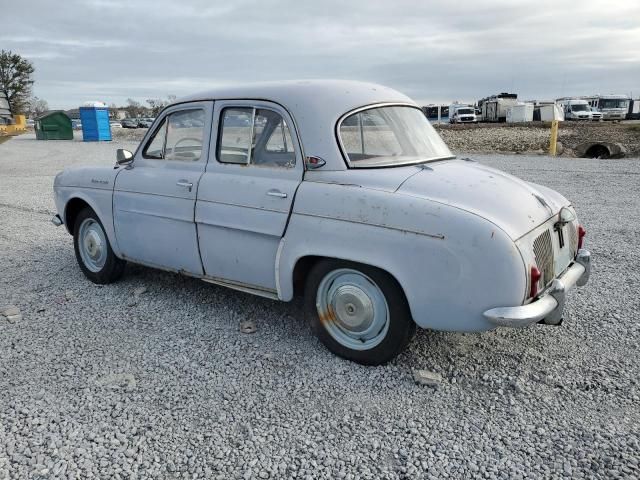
(359, 312)
(93, 251)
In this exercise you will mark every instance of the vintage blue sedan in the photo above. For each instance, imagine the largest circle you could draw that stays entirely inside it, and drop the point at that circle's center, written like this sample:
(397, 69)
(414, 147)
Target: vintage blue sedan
(339, 191)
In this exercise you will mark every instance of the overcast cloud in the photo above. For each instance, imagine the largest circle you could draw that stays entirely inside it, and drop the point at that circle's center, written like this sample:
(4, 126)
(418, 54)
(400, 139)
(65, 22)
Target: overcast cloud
(433, 51)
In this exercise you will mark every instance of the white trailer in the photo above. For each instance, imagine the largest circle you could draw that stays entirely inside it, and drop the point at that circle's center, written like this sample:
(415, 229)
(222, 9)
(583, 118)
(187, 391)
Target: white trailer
(494, 108)
(522, 112)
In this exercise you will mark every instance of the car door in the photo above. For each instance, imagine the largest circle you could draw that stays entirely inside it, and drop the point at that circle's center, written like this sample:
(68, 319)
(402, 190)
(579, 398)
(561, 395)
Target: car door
(247, 191)
(154, 198)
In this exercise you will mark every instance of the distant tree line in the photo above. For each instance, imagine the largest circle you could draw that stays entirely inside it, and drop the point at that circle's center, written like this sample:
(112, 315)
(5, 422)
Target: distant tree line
(136, 109)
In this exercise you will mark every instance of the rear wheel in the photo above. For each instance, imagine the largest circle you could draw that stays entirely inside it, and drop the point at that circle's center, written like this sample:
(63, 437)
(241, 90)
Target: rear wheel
(93, 251)
(359, 312)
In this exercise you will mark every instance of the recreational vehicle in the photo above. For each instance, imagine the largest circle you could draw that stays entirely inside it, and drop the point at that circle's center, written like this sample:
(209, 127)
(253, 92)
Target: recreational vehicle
(612, 107)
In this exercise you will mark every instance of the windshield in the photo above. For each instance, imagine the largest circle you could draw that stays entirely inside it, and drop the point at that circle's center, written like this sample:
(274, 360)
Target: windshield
(579, 108)
(464, 111)
(388, 136)
(613, 103)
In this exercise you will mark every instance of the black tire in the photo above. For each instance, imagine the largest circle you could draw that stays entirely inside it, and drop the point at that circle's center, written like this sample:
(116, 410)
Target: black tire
(401, 327)
(113, 266)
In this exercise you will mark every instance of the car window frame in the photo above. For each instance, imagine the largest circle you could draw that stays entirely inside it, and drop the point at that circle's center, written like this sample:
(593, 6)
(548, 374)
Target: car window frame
(255, 106)
(343, 150)
(208, 106)
(165, 120)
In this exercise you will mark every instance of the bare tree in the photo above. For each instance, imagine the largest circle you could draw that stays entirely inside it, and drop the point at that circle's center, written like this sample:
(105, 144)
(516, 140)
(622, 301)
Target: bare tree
(37, 106)
(16, 79)
(133, 108)
(155, 105)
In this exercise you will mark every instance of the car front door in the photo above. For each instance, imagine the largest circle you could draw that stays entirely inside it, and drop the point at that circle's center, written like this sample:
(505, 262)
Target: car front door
(246, 193)
(154, 198)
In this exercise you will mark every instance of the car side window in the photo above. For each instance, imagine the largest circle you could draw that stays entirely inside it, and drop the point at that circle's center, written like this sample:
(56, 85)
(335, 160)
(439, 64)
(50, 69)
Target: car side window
(154, 149)
(178, 138)
(185, 131)
(367, 134)
(256, 136)
(235, 141)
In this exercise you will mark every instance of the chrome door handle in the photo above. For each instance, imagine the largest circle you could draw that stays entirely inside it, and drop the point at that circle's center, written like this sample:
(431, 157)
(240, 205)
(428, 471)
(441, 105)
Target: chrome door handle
(277, 193)
(185, 184)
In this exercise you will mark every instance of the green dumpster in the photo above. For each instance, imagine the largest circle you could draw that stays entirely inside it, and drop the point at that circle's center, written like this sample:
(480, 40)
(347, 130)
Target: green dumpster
(54, 125)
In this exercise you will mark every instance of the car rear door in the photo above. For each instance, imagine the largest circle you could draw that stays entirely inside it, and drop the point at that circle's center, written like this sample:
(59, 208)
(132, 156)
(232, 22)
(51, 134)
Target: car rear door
(154, 199)
(247, 191)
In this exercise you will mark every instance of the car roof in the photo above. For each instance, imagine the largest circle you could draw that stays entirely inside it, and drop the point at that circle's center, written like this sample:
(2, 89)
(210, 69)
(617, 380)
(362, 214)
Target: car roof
(315, 105)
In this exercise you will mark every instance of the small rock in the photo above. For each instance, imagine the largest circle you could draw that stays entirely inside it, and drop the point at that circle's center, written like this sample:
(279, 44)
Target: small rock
(248, 326)
(132, 302)
(139, 291)
(41, 309)
(425, 377)
(69, 295)
(39, 395)
(11, 313)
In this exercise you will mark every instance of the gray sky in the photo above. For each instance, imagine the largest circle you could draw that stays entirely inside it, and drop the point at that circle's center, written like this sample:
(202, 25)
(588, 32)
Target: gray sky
(435, 51)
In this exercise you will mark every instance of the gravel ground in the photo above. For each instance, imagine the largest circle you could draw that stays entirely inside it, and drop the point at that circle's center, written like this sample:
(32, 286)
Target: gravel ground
(533, 138)
(113, 382)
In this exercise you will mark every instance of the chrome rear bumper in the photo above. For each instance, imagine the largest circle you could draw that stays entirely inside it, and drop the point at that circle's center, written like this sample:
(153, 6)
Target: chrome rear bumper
(549, 306)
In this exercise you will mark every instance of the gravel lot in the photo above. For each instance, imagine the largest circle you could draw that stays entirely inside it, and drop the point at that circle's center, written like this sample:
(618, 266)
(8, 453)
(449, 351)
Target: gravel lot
(103, 382)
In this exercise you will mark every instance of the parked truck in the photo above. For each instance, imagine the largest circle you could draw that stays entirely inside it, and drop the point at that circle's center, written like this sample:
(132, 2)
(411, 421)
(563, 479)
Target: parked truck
(462, 113)
(578, 109)
(495, 107)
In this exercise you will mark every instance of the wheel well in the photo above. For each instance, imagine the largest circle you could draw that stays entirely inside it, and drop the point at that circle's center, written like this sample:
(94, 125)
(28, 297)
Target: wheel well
(305, 264)
(300, 272)
(71, 211)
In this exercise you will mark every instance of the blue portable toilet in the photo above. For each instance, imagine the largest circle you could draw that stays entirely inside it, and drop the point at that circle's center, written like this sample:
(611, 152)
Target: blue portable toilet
(95, 122)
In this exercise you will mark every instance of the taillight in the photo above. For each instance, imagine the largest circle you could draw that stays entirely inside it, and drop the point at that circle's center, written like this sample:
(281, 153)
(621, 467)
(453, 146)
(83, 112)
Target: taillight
(581, 233)
(535, 278)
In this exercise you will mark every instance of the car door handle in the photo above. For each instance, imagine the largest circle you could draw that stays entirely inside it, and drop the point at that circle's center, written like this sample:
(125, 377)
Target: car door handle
(277, 193)
(185, 183)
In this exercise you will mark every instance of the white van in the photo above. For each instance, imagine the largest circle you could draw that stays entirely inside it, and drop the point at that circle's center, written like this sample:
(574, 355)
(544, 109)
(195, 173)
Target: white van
(576, 109)
(461, 113)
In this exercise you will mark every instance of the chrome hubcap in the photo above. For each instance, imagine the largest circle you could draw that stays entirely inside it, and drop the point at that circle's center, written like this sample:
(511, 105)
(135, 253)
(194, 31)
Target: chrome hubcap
(92, 244)
(353, 309)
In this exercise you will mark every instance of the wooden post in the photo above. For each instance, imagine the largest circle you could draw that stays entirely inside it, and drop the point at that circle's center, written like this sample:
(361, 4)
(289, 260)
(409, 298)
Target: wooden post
(554, 138)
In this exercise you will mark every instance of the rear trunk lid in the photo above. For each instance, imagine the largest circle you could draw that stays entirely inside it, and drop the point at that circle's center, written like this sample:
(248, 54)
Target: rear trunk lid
(512, 204)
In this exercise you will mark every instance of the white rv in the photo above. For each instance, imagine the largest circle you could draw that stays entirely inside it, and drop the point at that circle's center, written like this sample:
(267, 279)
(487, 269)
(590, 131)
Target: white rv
(462, 113)
(612, 107)
(578, 109)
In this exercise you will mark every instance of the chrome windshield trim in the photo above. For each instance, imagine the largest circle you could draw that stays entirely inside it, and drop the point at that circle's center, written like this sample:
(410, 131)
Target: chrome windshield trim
(345, 156)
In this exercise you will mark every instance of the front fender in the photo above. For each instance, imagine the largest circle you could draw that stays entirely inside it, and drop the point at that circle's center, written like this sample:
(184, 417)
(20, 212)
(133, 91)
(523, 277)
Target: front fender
(101, 201)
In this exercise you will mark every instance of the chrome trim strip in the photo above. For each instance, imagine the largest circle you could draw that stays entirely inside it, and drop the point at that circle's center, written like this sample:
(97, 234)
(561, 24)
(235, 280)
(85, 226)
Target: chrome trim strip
(437, 236)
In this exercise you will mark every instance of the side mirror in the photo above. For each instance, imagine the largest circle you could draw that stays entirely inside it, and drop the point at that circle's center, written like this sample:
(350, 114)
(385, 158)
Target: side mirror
(124, 157)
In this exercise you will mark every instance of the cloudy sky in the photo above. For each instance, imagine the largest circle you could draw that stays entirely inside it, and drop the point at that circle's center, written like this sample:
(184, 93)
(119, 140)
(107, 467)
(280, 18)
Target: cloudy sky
(435, 51)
